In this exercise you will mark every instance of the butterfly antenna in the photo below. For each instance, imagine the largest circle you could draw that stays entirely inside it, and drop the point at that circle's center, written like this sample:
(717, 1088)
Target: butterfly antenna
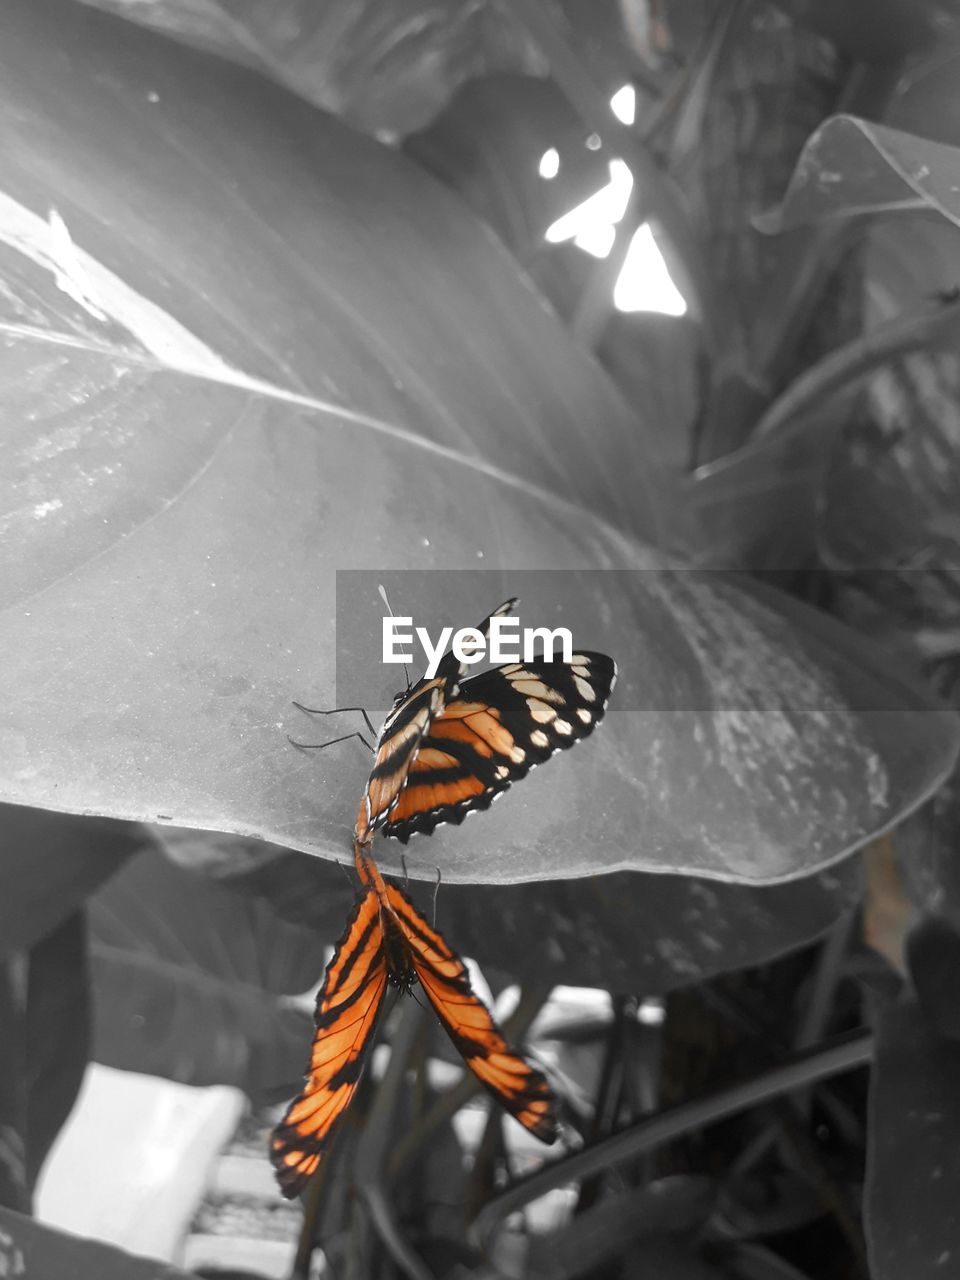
(406, 874)
(436, 891)
(383, 596)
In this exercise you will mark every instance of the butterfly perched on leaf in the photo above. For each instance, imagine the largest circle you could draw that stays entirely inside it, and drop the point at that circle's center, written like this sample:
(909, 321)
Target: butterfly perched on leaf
(387, 942)
(451, 744)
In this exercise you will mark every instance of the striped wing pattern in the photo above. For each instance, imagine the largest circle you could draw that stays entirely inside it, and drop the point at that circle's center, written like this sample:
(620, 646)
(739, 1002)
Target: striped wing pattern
(500, 725)
(403, 732)
(388, 941)
(449, 747)
(346, 1016)
(518, 1087)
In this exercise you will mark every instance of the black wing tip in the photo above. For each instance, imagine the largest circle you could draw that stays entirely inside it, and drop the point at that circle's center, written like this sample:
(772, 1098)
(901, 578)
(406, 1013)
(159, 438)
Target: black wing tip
(546, 1126)
(290, 1179)
(547, 1129)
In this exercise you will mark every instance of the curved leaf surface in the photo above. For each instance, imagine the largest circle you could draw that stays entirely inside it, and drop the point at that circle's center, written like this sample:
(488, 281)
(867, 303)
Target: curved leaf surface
(249, 348)
(626, 932)
(386, 65)
(850, 167)
(51, 863)
(191, 982)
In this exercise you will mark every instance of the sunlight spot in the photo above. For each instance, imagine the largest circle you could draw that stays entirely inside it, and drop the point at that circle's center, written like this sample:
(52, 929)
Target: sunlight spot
(624, 104)
(644, 284)
(597, 239)
(652, 1012)
(591, 224)
(550, 163)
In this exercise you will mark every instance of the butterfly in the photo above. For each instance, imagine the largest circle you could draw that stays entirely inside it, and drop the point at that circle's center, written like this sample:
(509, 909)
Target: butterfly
(451, 745)
(387, 942)
(403, 731)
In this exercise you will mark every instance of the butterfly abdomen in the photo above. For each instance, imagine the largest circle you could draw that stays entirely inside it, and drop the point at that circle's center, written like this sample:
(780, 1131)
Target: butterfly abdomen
(400, 971)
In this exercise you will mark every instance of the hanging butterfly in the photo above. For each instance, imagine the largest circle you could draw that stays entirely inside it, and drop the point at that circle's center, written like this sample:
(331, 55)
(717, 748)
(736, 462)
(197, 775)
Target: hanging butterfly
(451, 745)
(388, 942)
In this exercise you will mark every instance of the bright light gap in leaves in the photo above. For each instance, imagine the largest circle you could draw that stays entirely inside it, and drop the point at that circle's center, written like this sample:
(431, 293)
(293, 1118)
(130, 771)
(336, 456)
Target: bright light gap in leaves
(644, 282)
(550, 164)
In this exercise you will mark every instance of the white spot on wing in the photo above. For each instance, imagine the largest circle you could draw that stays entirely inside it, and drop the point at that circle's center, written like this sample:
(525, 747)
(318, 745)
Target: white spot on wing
(585, 689)
(533, 688)
(540, 711)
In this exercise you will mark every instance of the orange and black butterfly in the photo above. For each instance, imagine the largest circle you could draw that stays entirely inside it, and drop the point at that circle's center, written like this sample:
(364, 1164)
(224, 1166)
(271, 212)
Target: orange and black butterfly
(388, 942)
(403, 733)
(451, 745)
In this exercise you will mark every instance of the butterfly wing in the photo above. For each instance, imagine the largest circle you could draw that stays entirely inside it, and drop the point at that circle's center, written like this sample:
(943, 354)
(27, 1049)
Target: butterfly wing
(346, 1016)
(403, 732)
(517, 1086)
(500, 725)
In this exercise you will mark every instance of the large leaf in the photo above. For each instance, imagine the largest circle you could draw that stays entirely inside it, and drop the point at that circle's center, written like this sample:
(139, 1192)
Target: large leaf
(386, 65)
(913, 1223)
(192, 982)
(173, 524)
(626, 932)
(28, 1248)
(50, 863)
(851, 167)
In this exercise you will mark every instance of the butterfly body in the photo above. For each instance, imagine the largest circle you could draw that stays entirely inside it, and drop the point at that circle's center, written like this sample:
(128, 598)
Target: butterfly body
(403, 729)
(396, 953)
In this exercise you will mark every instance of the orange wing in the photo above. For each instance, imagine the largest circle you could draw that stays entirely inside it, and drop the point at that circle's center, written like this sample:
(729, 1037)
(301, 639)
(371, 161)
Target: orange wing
(517, 1086)
(403, 731)
(492, 731)
(346, 1017)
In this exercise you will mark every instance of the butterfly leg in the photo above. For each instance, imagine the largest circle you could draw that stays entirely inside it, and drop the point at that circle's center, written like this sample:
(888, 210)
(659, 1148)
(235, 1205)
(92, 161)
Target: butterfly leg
(318, 746)
(346, 873)
(406, 874)
(335, 711)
